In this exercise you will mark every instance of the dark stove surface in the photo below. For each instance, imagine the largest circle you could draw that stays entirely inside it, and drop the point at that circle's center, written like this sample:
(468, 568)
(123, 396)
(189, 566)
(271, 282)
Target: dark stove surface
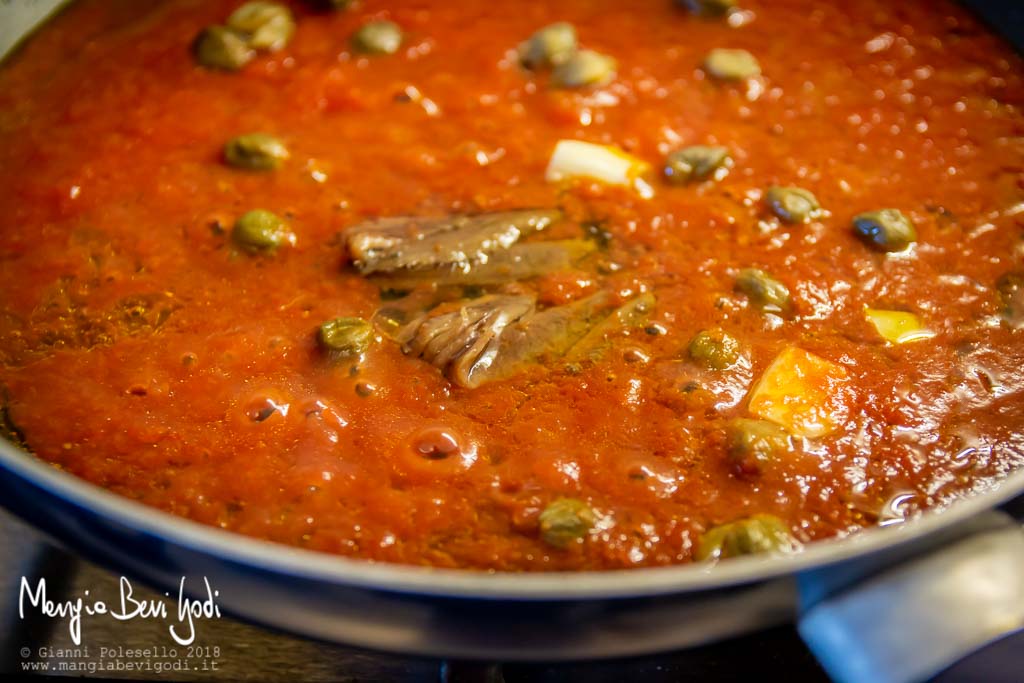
(224, 649)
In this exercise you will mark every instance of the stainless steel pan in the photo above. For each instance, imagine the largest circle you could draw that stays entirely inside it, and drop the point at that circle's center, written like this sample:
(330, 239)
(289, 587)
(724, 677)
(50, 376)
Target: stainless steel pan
(893, 604)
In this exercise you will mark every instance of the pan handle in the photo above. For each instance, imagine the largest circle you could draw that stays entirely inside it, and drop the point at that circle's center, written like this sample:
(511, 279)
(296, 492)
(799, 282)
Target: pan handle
(952, 613)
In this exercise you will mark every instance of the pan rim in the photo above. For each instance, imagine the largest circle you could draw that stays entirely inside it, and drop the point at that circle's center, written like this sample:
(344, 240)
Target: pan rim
(475, 584)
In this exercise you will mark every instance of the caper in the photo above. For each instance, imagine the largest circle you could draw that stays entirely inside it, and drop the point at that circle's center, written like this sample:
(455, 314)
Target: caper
(345, 337)
(566, 520)
(255, 151)
(793, 204)
(261, 230)
(219, 47)
(885, 230)
(731, 65)
(378, 38)
(755, 534)
(267, 25)
(714, 349)
(697, 162)
(584, 68)
(549, 46)
(707, 8)
(763, 290)
(1011, 295)
(752, 444)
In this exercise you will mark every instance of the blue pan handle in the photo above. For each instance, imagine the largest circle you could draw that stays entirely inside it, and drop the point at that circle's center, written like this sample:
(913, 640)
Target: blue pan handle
(953, 613)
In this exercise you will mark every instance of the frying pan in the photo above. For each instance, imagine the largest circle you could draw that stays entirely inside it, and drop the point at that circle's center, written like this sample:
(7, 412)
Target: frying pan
(900, 603)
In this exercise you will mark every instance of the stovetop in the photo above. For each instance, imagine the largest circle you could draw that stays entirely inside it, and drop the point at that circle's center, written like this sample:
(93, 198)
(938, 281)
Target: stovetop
(225, 649)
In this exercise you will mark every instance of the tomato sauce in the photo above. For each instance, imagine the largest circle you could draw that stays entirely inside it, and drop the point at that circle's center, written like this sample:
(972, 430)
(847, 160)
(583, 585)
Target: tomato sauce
(140, 350)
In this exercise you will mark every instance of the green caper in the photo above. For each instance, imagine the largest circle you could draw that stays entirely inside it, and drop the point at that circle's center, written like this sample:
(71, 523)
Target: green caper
(219, 47)
(752, 444)
(885, 230)
(714, 349)
(549, 46)
(763, 290)
(731, 65)
(707, 8)
(755, 534)
(261, 231)
(1011, 295)
(697, 162)
(793, 204)
(565, 520)
(345, 337)
(255, 151)
(584, 68)
(267, 25)
(378, 38)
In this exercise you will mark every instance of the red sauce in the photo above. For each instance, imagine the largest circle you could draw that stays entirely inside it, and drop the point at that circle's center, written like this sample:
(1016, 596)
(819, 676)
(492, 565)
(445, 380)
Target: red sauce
(141, 351)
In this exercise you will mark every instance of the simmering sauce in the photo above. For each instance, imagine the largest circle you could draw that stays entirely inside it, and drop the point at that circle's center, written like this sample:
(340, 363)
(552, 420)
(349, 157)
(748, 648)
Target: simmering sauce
(815, 376)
